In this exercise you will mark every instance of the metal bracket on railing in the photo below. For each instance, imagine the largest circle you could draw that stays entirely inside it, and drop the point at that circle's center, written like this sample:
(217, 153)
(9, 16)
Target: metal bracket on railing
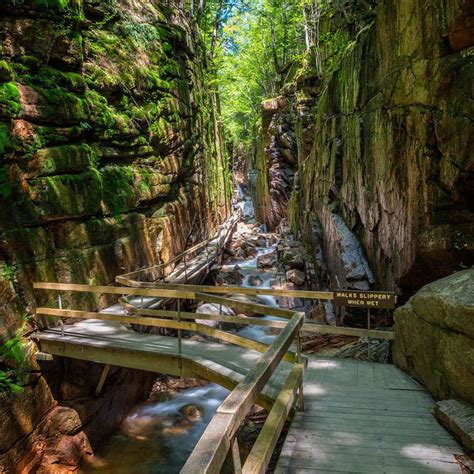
(60, 306)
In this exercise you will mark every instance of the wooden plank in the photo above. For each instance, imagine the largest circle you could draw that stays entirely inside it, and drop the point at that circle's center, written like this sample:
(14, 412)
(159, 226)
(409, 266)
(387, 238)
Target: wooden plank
(363, 427)
(304, 294)
(209, 455)
(415, 451)
(115, 290)
(240, 400)
(321, 460)
(358, 332)
(377, 434)
(209, 317)
(165, 323)
(365, 375)
(167, 364)
(257, 308)
(421, 420)
(262, 451)
(341, 439)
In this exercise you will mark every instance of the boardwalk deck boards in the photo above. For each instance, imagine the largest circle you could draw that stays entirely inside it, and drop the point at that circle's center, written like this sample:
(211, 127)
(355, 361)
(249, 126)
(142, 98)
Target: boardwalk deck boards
(365, 417)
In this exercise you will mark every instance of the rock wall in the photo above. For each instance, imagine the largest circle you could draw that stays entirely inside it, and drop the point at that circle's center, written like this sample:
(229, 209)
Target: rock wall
(111, 159)
(275, 160)
(385, 143)
(434, 337)
(394, 142)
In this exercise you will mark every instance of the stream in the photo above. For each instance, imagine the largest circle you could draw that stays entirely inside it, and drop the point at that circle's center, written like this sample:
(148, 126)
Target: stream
(158, 437)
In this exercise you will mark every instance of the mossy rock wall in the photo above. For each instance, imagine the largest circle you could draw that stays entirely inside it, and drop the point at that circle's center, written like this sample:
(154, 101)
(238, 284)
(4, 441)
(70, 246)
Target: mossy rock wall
(392, 142)
(111, 159)
(111, 155)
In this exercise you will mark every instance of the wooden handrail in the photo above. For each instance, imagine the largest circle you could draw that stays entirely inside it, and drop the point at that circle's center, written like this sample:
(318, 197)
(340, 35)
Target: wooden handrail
(205, 316)
(261, 453)
(303, 294)
(159, 293)
(126, 278)
(209, 454)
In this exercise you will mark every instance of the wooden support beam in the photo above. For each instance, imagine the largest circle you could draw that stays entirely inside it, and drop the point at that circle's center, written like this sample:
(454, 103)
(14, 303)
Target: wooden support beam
(103, 377)
(357, 332)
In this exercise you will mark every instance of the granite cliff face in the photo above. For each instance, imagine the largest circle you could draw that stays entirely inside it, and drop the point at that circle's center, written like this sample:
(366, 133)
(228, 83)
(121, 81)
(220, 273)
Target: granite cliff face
(111, 159)
(385, 146)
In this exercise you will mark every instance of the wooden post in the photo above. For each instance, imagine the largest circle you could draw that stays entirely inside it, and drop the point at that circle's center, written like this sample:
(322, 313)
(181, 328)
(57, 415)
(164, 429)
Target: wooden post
(103, 376)
(299, 357)
(179, 330)
(220, 314)
(185, 269)
(368, 337)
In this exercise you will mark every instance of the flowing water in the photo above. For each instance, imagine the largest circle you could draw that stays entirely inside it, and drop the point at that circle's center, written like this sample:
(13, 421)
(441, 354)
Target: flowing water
(158, 437)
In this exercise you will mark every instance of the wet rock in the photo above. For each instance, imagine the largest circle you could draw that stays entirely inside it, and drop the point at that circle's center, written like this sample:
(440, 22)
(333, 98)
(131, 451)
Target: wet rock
(190, 412)
(415, 225)
(255, 280)
(231, 276)
(434, 336)
(243, 249)
(295, 276)
(317, 313)
(215, 309)
(267, 261)
(458, 418)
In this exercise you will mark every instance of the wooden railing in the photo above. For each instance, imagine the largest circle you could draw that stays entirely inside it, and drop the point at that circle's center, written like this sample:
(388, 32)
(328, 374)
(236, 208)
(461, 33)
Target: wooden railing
(133, 279)
(211, 451)
(219, 440)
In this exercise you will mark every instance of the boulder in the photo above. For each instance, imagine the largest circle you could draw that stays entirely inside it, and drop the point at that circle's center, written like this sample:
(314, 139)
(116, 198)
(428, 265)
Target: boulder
(458, 418)
(255, 280)
(267, 261)
(295, 276)
(434, 336)
(213, 308)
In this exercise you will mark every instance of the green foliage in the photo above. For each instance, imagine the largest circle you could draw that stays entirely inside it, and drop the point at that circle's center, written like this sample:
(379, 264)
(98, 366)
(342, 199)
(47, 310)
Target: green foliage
(12, 350)
(5, 141)
(261, 44)
(6, 272)
(10, 99)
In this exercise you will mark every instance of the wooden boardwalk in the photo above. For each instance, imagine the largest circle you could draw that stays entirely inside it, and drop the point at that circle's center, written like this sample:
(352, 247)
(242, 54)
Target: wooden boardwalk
(365, 417)
(116, 344)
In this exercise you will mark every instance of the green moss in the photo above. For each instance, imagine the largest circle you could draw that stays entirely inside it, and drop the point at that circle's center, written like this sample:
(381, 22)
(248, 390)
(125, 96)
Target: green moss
(7, 185)
(5, 140)
(6, 73)
(10, 99)
(119, 188)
